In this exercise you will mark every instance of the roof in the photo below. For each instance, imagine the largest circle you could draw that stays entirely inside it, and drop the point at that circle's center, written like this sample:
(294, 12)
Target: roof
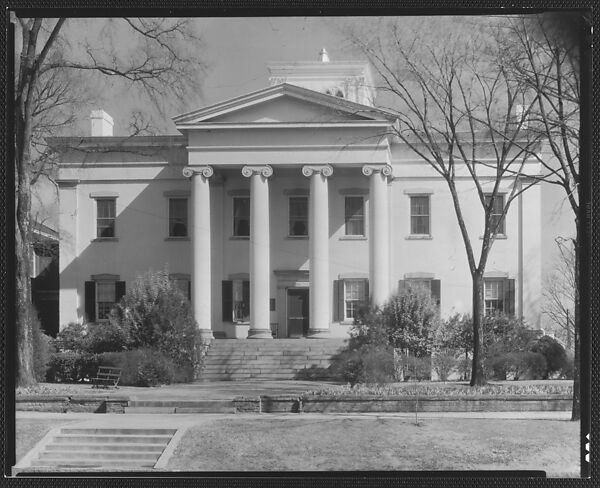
(358, 110)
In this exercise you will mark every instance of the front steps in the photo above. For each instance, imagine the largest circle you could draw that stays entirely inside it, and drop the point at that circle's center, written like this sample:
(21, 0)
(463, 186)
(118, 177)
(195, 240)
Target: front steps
(270, 359)
(105, 448)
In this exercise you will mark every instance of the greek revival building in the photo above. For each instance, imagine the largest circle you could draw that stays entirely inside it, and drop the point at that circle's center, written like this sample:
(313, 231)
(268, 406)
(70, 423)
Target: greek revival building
(280, 212)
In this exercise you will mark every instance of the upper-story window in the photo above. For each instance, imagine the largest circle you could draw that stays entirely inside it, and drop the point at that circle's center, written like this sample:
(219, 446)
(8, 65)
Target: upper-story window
(178, 217)
(419, 215)
(496, 220)
(241, 216)
(298, 216)
(105, 217)
(354, 216)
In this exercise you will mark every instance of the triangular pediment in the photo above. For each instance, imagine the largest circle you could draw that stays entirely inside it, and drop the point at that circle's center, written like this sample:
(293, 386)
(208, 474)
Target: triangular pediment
(282, 104)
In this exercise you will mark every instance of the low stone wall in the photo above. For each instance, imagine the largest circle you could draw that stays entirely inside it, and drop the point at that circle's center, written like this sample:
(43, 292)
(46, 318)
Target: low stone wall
(488, 403)
(64, 404)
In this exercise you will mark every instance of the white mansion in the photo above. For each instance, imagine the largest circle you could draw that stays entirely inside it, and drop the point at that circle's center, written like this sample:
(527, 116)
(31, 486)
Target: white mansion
(280, 212)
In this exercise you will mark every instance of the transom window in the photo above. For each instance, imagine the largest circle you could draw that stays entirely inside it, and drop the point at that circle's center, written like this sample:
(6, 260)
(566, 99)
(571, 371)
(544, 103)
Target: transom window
(355, 216)
(419, 215)
(178, 217)
(496, 220)
(105, 298)
(354, 297)
(105, 217)
(241, 216)
(298, 217)
(494, 296)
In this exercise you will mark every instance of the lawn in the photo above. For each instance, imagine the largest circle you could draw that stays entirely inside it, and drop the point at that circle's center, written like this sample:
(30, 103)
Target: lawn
(316, 442)
(28, 432)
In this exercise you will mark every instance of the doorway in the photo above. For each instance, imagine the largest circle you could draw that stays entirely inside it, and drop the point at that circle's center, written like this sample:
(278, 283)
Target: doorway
(297, 312)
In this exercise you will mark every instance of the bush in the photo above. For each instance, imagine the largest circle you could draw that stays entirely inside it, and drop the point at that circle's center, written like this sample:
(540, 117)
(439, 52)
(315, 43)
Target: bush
(105, 337)
(71, 338)
(43, 348)
(567, 371)
(72, 367)
(553, 352)
(155, 314)
(367, 364)
(141, 367)
(444, 364)
(415, 368)
(516, 365)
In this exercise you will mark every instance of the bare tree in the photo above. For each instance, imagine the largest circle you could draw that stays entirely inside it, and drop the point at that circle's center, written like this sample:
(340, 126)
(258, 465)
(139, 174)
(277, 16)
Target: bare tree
(161, 58)
(546, 57)
(559, 292)
(456, 103)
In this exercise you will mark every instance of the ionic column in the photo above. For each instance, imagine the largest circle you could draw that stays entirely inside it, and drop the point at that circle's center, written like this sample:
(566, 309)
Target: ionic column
(200, 233)
(260, 266)
(379, 237)
(318, 234)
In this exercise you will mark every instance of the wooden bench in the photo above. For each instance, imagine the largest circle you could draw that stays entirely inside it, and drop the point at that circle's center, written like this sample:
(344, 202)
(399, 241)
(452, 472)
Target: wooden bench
(106, 377)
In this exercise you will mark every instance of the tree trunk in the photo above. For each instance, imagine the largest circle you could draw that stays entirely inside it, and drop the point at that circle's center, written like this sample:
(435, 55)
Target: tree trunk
(576, 409)
(477, 375)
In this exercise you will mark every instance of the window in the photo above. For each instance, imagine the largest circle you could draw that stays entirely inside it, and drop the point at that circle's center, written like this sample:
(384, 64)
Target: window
(100, 296)
(298, 222)
(354, 297)
(241, 216)
(236, 301)
(105, 217)
(419, 215)
(496, 220)
(105, 299)
(355, 216)
(493, 296)
(178, 217)
(182, 281)
(420, 283)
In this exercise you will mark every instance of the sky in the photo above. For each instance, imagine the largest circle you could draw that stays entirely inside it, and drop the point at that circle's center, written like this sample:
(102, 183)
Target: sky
(237, 51)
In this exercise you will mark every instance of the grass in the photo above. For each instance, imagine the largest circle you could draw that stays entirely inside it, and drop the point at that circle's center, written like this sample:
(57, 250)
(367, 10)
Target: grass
(28, 432)
(323, 443)
(448, 389)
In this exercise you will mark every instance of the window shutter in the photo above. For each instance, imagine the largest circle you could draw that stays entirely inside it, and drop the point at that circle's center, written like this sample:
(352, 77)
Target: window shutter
(436, 289)
(509, 297)
(189, 289)
(227, 300)
(246, 297)
(366, 297)
(90, 301)
(119, 291)
(338, 300)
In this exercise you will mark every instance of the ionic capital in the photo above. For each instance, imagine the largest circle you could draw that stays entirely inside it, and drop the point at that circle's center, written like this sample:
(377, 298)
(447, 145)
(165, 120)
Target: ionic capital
(204, 171)
(384, 169)
(265, 170)
(322, 169)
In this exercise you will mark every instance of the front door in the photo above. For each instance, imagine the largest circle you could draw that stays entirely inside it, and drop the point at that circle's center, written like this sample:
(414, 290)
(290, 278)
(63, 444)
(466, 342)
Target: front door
(297, 312)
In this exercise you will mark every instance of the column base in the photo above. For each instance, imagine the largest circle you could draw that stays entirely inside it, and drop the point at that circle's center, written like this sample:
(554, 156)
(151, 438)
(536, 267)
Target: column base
(260, 334)
(206, 335)
(318, 333)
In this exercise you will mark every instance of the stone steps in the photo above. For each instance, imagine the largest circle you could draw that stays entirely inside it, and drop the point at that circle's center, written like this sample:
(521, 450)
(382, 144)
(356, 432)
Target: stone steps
(103, 448)
(277, 359)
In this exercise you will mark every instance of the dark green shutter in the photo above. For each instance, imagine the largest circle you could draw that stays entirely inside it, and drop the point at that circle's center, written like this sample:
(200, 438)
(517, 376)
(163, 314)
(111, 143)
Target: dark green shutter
(246, 297)
(509, 297)
(119, 291)
(436, 290)
(366, 297)
(189, 289)
(227, 300)
(338, 300)
(90, 301)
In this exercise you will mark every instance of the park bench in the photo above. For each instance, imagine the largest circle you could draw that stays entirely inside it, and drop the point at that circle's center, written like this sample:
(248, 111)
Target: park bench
(106, 377)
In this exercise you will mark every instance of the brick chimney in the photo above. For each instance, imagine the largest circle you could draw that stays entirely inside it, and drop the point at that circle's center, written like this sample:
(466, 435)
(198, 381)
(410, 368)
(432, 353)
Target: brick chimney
(102, 124)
